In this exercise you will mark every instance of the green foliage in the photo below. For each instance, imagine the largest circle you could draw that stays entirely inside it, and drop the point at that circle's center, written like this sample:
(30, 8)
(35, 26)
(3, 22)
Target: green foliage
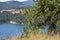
(6, 17)
(43, 12)
(19, 18)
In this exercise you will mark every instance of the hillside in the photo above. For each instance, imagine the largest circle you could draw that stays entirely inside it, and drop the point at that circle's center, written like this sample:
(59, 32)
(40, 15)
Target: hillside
(14, 5)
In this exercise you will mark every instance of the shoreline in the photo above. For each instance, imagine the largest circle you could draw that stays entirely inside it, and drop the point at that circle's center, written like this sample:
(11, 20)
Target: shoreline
(13, 22)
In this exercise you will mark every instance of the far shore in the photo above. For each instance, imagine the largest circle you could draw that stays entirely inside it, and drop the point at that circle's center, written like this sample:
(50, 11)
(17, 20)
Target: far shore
(13, 22)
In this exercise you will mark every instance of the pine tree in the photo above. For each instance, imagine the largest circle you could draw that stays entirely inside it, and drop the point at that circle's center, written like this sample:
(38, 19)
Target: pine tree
(43, 12)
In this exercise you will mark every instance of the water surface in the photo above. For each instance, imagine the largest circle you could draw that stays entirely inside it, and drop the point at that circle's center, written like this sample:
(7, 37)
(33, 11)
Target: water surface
(10, 29)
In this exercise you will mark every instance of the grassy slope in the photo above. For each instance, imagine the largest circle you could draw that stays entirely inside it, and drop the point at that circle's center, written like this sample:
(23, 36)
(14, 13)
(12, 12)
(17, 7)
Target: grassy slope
(36, 37)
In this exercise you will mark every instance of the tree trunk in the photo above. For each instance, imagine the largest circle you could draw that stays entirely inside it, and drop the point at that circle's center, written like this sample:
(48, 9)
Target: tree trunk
(52, 29)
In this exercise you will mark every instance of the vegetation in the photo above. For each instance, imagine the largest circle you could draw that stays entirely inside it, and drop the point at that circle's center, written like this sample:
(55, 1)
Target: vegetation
(6, 17)
(13, 5)
(42, 13)
(19, 18)
(39, 36)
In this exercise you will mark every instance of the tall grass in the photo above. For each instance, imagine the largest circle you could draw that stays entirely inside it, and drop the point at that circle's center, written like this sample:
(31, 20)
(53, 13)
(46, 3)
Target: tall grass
(37, 36)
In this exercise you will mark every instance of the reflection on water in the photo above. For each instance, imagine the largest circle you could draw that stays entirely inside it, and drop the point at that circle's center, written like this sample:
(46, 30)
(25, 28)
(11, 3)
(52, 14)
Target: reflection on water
(10, 29)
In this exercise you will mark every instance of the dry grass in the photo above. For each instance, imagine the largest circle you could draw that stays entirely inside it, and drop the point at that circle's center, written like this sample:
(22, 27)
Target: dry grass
(39, 36)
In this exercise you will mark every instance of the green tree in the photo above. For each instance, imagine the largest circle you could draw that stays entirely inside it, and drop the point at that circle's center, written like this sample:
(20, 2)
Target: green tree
(43, 12)
(5, 17)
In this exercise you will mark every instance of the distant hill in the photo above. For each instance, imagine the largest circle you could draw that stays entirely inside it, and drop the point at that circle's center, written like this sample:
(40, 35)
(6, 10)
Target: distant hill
(14, 5)
(30, 2)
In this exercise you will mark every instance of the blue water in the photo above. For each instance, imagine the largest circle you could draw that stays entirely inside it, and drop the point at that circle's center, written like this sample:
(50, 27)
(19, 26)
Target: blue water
(10, 29)
(14, 29)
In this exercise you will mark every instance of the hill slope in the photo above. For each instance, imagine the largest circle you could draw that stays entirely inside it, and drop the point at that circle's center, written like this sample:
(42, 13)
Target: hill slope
(14, 5)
